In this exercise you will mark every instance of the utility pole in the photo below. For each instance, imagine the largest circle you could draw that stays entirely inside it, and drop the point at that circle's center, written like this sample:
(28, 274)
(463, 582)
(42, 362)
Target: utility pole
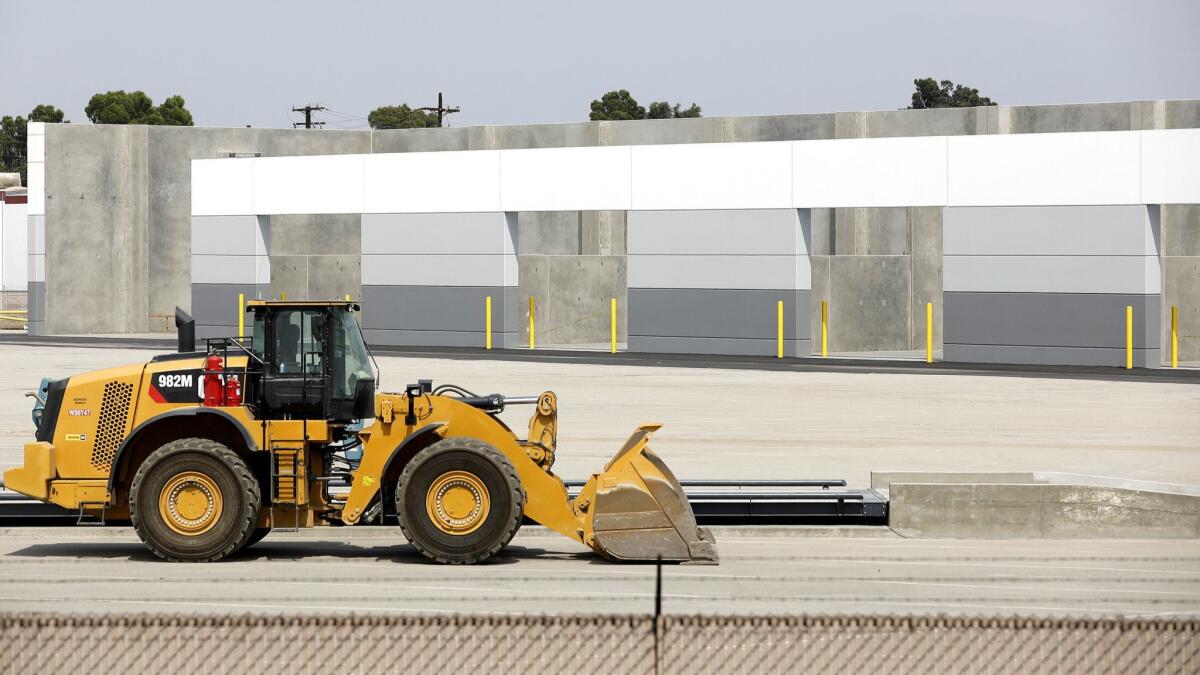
(308, 111)
(441, 110)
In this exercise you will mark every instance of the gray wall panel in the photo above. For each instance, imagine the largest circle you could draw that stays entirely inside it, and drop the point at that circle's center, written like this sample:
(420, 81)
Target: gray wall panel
(1050, 319)
(36, 303)
(439, 270)
(460, 233)
(708, 313)
(734, 346)
(740, 232)
(1049, 230)
(216, 304)
(1052, 274)
(216, 235)
(437, 338)
(438, 308)
(720, 271)
(1047, 356)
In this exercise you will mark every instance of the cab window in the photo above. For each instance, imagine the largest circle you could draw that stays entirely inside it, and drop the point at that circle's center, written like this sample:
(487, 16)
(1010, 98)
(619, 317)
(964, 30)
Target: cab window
(298, 342)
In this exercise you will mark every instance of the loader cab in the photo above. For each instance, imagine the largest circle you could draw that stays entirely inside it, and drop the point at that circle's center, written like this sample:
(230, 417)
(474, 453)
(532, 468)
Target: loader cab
(315, 364)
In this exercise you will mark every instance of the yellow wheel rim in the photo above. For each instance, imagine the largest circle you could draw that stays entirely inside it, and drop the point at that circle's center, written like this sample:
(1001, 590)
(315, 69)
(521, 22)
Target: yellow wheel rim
(458, 502)
(190, 503)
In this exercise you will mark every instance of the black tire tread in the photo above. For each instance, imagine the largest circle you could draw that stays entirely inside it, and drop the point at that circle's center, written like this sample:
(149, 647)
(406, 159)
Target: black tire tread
(507, 470)
(241, 472)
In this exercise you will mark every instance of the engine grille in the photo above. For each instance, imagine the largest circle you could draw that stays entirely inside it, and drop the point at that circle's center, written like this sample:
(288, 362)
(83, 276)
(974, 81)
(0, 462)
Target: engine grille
(110, 430)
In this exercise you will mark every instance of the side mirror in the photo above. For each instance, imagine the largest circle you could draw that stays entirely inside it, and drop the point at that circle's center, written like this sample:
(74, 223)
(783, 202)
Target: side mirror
(364, 398)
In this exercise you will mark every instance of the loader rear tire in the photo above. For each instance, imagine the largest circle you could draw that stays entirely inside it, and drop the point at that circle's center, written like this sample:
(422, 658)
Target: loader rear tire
(460, 501)
(194, 500)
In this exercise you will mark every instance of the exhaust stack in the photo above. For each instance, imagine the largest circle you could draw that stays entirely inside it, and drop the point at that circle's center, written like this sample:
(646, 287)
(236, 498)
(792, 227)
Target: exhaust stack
(186, 327)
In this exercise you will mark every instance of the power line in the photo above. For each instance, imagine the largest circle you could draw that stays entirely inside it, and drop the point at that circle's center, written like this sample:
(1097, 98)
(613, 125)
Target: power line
(307, 115)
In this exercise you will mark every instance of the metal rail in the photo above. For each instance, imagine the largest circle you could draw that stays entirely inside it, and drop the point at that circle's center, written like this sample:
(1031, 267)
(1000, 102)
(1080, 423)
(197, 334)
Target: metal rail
(733, 506)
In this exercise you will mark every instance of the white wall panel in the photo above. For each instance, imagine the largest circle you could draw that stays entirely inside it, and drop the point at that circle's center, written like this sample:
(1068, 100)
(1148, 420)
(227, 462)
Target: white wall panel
(439, 270)
(1171, 166)
(37, 271)
(227, 269)
(1048, 230)
(784, 272)
(1045, 169)
(1052, 274)
(312, 184)
(35, 146)
(14, 248)
(562, 179)
(35, 173)
(869, 172)
(37, 234)
(470, 233)
(760, 231)
(1100, 168)
(712, 176)
(431, 182)
(223, 186)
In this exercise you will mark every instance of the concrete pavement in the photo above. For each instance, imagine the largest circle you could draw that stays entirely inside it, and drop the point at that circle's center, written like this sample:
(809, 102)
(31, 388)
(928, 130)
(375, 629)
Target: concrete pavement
(763, 570)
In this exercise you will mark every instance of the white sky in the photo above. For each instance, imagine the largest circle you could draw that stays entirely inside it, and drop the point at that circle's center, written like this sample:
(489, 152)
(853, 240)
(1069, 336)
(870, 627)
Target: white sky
(531, 61)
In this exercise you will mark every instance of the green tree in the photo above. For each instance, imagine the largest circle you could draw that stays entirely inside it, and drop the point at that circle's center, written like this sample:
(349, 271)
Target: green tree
(663, 110)
(400, 117)
(14, 137)
(46, 113)
(617, 105)
(945, 94)
(135, 107)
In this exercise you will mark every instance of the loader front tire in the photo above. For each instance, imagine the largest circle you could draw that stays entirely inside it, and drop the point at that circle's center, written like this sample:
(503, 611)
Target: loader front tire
(194, 500)
(460, 501)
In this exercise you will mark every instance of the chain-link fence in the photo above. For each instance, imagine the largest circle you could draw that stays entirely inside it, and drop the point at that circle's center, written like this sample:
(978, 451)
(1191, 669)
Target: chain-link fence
(37, 643)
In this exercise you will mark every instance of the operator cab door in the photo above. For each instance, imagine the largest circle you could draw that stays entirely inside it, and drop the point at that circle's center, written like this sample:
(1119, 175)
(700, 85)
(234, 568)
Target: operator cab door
(296, 381)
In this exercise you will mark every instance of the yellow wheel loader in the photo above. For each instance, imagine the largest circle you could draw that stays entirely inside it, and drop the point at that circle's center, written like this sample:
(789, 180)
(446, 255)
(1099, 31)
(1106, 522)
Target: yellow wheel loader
(205, 452)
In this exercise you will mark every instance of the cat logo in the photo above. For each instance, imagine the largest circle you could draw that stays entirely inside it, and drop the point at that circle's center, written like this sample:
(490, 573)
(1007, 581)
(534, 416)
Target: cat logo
(76, 437)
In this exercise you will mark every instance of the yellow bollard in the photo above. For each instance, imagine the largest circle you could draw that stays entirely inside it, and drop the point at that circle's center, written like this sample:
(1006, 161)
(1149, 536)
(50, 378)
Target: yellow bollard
(612, 311)
(824, 328)
(241, 315)
(779, 329)
(1128, 337)
(347, 297)
(283, 295)
(1174, 336)
(487, 321)
(532, 306)
(929, 332)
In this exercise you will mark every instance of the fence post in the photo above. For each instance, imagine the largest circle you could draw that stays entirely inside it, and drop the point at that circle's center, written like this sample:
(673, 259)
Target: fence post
(824, 328)
(241, 315)
(487, 321)
(1174, 336)
(779, 329)
(531, 333)
(612, 311)
(1128, 337)
(929, 332)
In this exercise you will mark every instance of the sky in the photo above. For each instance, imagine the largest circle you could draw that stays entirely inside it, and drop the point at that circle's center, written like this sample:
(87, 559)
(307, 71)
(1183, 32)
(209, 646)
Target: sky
(535, 61)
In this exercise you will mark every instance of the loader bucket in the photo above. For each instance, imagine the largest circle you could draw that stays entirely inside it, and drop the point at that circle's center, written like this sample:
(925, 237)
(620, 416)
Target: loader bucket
(636, 509)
